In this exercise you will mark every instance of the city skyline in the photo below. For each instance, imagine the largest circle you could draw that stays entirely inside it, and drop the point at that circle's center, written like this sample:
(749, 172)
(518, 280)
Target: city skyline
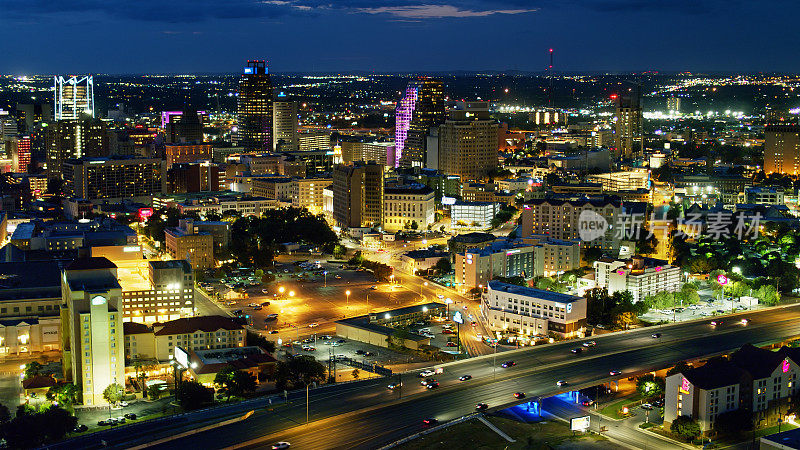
(356, 35)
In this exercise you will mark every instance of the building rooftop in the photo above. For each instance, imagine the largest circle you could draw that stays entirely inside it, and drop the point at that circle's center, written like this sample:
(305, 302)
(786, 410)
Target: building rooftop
(30, 279)
(473, 238)
(532, 292)
(369, 322)
(426, 253)
(715, 374)
(499, 246)
(129, 328)
(94, 263)
(463, 203)
(172, 264)
(789, 439)
(213, 360)
(758, 362)
(198, 323)
(410, 189)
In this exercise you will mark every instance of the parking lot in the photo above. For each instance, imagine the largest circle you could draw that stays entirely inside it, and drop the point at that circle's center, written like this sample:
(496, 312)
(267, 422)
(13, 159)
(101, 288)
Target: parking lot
(306, 297)
(704, 308)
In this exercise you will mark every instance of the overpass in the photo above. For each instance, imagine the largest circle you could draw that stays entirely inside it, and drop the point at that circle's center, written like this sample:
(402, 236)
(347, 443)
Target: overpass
(367, 415)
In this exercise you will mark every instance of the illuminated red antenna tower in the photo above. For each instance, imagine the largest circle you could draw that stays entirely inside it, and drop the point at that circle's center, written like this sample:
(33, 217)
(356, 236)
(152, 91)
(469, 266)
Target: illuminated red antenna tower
(550, 75)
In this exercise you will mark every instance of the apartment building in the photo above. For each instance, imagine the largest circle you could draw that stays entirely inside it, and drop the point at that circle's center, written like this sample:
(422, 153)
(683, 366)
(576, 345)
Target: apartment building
(642, 277)
(509, 258)
(191, 333)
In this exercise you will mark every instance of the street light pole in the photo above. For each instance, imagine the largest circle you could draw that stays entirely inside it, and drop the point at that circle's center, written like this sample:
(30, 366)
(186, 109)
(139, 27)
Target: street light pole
(307, 404)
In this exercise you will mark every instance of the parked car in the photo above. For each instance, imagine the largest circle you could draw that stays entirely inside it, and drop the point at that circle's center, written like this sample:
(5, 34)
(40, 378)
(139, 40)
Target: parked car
(130, 416)
(80, 428)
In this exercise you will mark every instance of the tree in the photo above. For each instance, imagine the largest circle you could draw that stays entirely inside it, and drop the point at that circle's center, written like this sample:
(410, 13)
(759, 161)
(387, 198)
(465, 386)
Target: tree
(443, 266)
(32, 369)
(685, 427)
(734, 422)
(114, 393)
(66, 394)
(235, 382)
(680, 367)
(31, 428)
(193, 395)
(154, 392)
(5, 414)
(649, 385)
(298, 372)
(414, 225)
(260, 341)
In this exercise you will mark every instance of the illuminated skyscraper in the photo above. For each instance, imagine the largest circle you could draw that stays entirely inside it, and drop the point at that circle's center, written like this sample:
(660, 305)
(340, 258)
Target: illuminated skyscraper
(421, 108)
(255, 107)
(66, 139)
(284, 125)
(73, 97)
(782, 148)
(628, 128)
(468, 141)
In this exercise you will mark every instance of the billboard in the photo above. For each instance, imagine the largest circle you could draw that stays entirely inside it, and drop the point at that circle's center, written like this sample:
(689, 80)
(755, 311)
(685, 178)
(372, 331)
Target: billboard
(579, 423)
(182, 357)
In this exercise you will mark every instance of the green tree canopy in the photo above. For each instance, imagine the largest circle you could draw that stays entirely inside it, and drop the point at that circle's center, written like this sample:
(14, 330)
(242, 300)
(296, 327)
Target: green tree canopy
(193, 395)
(685, 427)
(298, 372)
(114, 393)
(235, 382)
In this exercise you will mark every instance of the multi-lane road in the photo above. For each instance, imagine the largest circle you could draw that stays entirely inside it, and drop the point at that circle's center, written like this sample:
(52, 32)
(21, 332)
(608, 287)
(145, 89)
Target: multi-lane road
(367, 414)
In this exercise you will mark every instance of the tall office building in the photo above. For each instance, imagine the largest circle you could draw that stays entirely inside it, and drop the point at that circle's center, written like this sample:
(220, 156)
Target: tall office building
(255, 107)
(628, 127)
(782, 149)
(358, 195)
(19, 150)
(74, 97)
(284, 125)
(314, 141)
(184, 127)
(674, 105)
(421, 108)
(468, 141)
(114, 179)
(93, 349)
(66, 139)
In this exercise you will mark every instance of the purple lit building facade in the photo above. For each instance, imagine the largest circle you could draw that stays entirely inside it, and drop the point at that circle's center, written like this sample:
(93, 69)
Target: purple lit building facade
(421, 109)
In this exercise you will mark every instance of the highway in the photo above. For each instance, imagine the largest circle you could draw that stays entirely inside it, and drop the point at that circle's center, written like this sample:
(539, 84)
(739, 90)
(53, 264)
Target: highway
(367, 414)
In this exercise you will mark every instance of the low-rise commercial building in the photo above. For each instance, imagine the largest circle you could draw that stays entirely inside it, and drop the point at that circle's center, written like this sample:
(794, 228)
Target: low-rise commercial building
(642, 277)
(168, 295)
(184, 242)
(509, 258)
(377, 328)
(564, 219)
(508, 308)
(473, 215)
(404, 206)
(622, 181)
(765, 195)
(422, 260)
(205, 364)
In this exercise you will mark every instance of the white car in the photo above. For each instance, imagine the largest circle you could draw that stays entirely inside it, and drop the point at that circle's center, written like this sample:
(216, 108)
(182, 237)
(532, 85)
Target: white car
(313, 325)
(439, 296)
(123, 404)
(281, 445)
(561, 383)
(427, 373)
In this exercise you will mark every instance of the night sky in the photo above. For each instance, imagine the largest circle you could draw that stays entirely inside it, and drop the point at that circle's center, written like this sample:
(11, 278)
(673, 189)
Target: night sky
(193, 36)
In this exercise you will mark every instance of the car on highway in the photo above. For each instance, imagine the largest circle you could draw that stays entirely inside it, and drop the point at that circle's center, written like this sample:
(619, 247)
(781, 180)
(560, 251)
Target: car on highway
(281, 445)
(432, 385)
(655, 335)
(313, 325)
(481, 407)
(373, 287)
(426, 373)
(519, 395)
(577, 350)
(745, 322)
(439, 296)
(614, 373)
(429, 421)
(394, 386)
(265, 291)
(589, 344)
(508, 364)
(274, 331)
(427, 381)
(465, 377)
(715, 323)
(561, 383)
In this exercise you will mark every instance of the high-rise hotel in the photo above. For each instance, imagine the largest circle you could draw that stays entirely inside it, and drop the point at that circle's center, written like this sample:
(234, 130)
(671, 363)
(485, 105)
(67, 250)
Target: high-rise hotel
(420, 109)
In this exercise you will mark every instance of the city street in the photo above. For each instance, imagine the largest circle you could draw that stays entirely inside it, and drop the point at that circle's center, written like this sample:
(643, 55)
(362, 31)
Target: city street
(336, 411)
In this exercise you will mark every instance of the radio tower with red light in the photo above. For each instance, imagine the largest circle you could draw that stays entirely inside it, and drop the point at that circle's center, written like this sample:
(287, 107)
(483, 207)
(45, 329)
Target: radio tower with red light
(550, 75)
